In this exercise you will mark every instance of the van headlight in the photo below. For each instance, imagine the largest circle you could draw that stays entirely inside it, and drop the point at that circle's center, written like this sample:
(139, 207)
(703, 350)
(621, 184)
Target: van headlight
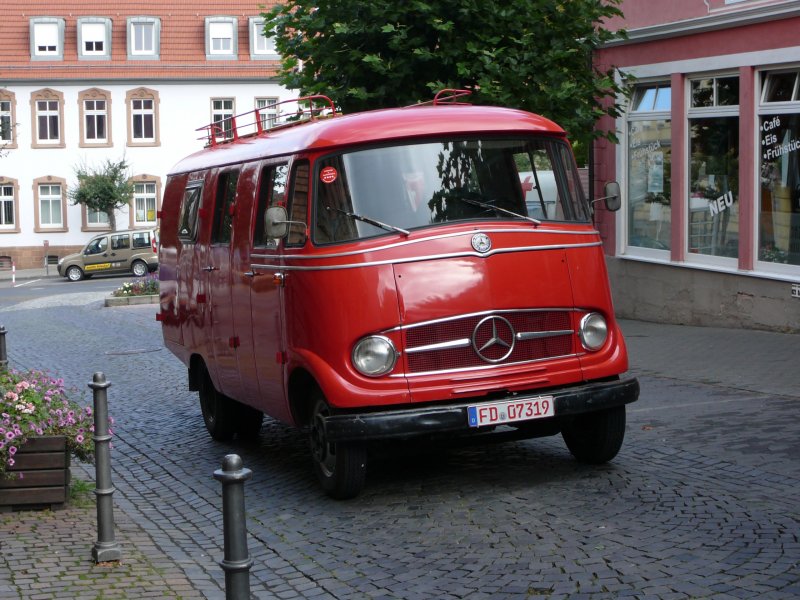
(593, 331)
(374, 355)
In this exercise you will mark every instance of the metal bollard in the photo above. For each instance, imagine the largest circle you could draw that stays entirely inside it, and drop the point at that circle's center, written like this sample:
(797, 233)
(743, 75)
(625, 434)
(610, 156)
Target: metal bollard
(236, 562)
(106, 548)
(3, 355)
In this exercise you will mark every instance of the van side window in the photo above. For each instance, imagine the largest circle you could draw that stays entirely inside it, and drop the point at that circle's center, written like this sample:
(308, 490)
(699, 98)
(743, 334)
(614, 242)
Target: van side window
(141, 239)
(223, 207)
(120, 242)
(298, 211)
(187, 229)
(271, 192)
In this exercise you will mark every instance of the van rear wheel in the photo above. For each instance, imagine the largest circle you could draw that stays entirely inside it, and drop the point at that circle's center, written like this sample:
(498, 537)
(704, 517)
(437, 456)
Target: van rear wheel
(219, 411)
(340, 467)
(595, 438)
(139, 268)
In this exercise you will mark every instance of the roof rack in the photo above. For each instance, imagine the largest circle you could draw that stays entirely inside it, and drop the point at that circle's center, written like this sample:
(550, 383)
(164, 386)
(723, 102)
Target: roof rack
(446, 96)
(267, 118)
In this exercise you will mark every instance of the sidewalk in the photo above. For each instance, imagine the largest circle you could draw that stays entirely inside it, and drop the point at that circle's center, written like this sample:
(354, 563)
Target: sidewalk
(27, 274)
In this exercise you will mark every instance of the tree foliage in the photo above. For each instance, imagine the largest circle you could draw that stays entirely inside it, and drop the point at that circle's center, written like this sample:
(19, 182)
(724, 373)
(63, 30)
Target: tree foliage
(529, 54)
(104, 189)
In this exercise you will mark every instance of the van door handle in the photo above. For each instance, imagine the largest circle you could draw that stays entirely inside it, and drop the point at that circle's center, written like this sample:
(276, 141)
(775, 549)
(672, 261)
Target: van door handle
(209, 269)
(251, 274)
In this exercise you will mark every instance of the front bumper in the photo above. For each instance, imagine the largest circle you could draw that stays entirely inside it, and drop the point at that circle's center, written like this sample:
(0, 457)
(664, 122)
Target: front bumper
(452, 418)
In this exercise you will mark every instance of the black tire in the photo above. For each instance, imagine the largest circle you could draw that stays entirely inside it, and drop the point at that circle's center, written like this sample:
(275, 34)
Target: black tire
(341, 467)
(139, 268)
(74, 273)
(219, 412)
(595, 438)
(248, 421)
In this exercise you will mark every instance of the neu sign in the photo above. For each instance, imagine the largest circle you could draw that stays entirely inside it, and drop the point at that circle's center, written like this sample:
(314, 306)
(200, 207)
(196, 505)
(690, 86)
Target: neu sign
(720, 204)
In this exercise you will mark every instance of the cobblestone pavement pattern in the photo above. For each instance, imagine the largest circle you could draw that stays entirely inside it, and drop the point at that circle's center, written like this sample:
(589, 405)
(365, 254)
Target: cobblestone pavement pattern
(702, 501)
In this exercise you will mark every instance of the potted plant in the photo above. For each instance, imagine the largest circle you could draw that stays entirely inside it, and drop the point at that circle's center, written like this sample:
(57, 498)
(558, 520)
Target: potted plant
(40, 427)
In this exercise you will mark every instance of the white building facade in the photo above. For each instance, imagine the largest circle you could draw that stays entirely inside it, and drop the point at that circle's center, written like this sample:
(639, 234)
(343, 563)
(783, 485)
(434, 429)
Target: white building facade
(95, 84)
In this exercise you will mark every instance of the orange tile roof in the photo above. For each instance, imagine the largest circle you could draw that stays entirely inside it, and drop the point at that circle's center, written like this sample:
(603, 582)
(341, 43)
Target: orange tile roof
(182, 43)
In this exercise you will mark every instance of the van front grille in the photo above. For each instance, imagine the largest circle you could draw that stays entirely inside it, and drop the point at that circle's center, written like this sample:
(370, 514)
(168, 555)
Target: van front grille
(496, 338)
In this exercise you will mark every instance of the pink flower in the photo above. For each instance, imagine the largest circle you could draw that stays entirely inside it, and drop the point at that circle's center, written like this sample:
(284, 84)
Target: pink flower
(12, 450)
(11, 462)
(79, 438)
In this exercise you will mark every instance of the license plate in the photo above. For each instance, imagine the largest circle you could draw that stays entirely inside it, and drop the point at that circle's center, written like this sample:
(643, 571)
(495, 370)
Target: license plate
(511, 411)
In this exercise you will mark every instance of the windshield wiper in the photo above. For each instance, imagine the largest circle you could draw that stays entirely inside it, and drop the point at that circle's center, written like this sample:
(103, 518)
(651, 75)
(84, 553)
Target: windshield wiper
(497, 208)
(385, 226)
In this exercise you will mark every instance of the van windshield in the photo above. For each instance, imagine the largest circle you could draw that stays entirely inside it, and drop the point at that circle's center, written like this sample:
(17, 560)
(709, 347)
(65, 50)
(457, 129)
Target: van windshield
(427, 184)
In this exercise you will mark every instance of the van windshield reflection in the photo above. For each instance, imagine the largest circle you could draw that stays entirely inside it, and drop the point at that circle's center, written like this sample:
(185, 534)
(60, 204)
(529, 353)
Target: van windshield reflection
(396, 189)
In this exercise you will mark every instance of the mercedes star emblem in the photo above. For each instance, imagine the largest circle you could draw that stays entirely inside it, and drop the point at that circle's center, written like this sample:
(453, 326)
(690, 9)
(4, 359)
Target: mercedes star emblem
(493, 339)
(481, 243)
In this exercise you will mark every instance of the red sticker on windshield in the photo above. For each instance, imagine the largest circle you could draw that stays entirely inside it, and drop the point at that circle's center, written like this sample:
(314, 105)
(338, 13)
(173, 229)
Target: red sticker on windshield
(328, 175)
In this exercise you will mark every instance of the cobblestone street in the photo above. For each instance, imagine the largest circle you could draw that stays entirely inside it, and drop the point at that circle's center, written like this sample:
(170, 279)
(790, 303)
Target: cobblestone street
(701, 502)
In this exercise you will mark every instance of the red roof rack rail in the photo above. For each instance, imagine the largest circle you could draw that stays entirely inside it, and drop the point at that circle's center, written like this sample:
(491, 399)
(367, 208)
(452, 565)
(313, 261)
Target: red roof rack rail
(266, 119)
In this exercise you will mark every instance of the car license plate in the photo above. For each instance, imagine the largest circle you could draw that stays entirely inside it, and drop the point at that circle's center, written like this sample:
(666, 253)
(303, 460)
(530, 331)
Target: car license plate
(510, 411)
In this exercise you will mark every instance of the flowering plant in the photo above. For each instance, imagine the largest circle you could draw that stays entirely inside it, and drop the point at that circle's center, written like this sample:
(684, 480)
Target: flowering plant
(144, 286)
(34, 404)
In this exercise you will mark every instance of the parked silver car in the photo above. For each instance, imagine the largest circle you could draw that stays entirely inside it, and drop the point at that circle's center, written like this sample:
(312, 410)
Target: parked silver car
(134, 251)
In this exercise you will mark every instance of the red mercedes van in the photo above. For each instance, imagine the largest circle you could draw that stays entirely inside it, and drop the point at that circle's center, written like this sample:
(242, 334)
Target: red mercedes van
(422, 271)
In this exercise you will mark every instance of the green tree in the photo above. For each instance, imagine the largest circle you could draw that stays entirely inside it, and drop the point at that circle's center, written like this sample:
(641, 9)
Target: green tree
(104, 189)
(529, 54)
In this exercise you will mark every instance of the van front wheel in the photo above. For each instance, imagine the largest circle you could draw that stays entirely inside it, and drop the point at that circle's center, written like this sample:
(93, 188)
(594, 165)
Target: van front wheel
(74, 274)
(219, 411)
(340, 467)
(595, 438)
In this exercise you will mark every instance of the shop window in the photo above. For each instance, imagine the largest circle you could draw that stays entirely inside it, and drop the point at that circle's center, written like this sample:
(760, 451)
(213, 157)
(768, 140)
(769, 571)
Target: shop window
(713, 215)
(779, 201)
(144, 38)
(649, 207)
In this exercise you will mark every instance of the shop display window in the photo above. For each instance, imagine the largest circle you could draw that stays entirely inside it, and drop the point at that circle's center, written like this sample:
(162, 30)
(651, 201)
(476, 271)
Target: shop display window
(649, 168)
(779, 144)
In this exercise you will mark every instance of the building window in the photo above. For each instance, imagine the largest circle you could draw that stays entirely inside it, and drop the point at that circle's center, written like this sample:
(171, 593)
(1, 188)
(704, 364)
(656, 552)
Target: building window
(143, 128)
(96, 218)
(50, 204)
(221, 117)
(221, 39)
(8, 108)
(261, 46)
(267, 111)
(94, 38)
(8, 205)
(649, 167)
(47, 113)
(713, 215)
(144, 38)
(47, 38)
(145, 202)
(779, 202)
(95, 110)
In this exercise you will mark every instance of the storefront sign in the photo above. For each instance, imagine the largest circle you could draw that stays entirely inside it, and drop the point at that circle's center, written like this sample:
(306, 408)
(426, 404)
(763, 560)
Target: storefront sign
(722, 203)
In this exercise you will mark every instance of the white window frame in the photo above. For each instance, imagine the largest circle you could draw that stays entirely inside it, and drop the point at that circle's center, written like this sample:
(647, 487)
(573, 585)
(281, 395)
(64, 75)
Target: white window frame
(94, 30)
(48, 113)
(142, 194)
(222, 111)
(96, 218)
(216, 29)
(261, 46)
(47, 38)
(51, 199)
(143, 113)
(6, 121)
(268, 111)
(10, 198)
(139, 53)
(95, 114)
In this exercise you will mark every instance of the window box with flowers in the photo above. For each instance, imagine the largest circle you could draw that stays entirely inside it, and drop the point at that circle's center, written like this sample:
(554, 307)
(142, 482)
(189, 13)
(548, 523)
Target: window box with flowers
(40, 427)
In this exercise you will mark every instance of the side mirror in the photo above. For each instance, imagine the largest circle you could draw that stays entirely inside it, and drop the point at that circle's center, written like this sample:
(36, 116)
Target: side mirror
(276, 223)
(612, 197)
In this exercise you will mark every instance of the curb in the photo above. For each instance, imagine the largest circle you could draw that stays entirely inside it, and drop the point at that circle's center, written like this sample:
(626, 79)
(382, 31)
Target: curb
(131, 300)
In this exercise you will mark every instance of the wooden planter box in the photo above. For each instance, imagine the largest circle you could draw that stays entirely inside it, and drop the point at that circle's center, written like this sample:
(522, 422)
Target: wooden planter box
(44, 461)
